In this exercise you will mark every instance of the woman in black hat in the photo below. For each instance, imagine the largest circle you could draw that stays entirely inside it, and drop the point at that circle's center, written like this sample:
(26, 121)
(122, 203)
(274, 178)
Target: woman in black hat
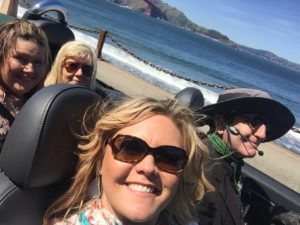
(243, 119)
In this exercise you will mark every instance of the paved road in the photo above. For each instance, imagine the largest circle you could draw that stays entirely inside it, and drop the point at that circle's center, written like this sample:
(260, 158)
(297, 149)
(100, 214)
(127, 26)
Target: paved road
(279, 163)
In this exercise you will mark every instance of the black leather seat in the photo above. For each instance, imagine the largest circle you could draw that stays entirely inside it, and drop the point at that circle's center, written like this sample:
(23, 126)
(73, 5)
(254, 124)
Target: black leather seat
(57, 31)
(57, 34)
(191, 98)
(37, 159)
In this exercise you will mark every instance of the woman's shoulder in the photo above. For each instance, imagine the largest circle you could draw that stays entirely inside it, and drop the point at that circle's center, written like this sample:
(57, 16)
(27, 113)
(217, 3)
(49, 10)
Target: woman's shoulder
(217, 170)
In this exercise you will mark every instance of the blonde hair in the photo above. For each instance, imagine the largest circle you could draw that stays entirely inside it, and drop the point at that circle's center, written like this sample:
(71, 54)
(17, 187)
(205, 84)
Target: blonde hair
(75, 50)
(106, 123)
(18, 28)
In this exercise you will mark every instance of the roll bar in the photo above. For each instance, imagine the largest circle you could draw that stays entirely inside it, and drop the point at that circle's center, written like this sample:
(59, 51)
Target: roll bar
(39, 9)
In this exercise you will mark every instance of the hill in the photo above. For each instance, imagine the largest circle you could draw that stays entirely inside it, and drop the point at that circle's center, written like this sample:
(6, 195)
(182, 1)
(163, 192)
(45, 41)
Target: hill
(172, 15)
(270, 56)
(161, 10)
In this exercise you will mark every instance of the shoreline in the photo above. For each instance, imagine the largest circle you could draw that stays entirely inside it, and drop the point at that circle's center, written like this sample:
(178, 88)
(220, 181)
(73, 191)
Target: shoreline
(277, 162)
(128, 83)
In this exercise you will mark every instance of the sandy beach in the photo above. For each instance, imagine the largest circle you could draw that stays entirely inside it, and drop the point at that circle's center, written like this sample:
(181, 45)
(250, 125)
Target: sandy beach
(128, 83)
(277, 161)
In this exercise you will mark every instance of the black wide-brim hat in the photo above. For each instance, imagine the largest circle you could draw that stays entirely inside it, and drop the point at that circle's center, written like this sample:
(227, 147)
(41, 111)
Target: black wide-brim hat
(256, 102)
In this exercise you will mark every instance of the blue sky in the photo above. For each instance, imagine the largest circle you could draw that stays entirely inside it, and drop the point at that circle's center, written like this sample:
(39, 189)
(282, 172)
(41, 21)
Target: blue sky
(272, 25)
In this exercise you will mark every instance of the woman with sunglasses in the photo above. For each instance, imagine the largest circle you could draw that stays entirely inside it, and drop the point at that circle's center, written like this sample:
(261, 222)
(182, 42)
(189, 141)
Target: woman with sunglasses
(146, 159)
(24, 62)
(75, 63)
(243, 119)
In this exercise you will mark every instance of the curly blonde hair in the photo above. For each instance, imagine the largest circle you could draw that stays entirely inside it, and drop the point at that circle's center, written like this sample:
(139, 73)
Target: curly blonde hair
(107, 122)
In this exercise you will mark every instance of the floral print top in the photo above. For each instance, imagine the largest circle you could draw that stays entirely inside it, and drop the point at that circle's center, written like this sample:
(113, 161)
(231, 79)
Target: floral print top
(94, 214)
(9, 109)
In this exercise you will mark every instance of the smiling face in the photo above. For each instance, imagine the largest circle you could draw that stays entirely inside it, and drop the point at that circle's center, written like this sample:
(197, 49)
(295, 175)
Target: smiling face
(249, 139)
(24, 68)
(137, 193)
(77, 71)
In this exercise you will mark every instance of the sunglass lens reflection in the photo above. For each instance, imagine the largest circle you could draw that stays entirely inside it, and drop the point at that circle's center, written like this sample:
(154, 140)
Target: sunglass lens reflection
(87, 70)
(258, 121)
(72, 67)
(170, 159)
(129, 150)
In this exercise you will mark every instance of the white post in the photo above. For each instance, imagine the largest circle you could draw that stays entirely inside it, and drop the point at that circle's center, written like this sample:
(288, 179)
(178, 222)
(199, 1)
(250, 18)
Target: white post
(9, 7)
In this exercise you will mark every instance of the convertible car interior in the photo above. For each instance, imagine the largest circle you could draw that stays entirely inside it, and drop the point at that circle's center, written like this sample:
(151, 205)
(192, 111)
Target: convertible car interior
(57, 31)
(38, 159)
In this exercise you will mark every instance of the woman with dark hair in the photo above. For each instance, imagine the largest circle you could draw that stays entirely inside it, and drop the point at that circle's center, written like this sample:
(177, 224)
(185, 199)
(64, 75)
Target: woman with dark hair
(24, 63)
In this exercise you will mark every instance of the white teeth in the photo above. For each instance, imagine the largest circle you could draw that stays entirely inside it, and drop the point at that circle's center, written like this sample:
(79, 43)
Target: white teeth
(141, 188)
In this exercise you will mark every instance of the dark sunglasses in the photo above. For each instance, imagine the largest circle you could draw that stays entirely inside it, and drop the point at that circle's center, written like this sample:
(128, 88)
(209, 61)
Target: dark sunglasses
(131, 149)
(72, 67)
(255, 121)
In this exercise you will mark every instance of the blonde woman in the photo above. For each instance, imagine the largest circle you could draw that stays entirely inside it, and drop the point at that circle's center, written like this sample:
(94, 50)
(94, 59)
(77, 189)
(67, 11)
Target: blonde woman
(147, 158)
(75, 63)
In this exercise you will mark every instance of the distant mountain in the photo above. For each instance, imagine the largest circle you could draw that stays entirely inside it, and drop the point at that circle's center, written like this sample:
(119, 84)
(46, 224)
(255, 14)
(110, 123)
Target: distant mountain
(161, 10)
(269, 56)
(170, 14)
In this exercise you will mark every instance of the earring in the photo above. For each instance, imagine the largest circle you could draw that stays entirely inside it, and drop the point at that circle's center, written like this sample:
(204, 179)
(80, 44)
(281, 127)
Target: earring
(95, 188)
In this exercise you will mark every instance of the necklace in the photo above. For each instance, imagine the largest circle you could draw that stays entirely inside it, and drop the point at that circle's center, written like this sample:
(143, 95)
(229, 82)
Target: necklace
(11, 103)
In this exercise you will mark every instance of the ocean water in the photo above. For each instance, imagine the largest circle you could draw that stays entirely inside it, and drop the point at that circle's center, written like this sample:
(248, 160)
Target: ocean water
(185, 53)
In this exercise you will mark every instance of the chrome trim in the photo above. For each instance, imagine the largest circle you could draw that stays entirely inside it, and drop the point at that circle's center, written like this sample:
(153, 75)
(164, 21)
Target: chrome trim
(52, 5)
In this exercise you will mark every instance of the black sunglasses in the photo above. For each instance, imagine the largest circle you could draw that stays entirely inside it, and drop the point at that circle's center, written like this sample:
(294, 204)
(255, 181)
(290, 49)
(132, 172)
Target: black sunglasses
(72, 67)
(255, 121)
(131, 149)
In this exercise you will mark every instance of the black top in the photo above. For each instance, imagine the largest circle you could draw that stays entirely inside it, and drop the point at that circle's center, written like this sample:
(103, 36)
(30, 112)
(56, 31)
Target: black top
(6, 120)
(223, 206)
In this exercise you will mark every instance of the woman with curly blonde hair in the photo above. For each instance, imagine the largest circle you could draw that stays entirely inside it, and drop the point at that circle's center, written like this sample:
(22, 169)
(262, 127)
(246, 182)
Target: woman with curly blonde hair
(147, 160)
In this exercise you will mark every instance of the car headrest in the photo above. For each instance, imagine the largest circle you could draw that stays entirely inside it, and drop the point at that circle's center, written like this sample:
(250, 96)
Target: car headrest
(57, 34)
(57, 31)
(191, 98)
(39, 149)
